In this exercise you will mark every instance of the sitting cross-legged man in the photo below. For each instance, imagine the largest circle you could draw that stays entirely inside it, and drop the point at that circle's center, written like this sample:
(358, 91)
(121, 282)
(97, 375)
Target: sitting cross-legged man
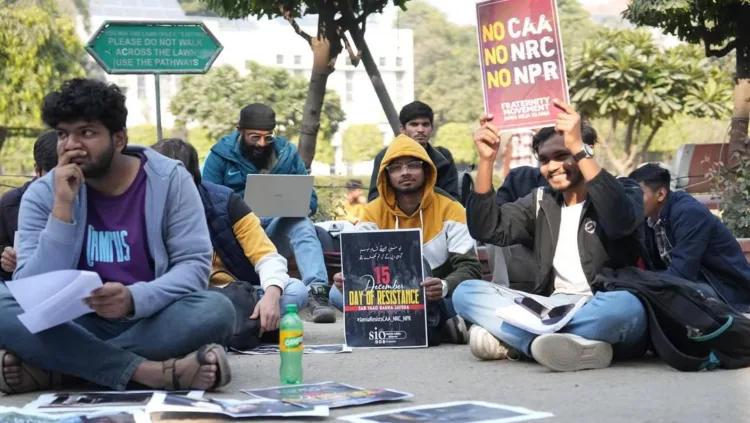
(253, 149)
(135, 218)
(408, 198)
(241, 247)
(586, 221)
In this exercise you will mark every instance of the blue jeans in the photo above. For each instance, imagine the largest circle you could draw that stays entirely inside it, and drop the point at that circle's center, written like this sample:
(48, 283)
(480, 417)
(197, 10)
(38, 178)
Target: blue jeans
(295, 293)
(617, 317)
(106, 352)
(297, 237)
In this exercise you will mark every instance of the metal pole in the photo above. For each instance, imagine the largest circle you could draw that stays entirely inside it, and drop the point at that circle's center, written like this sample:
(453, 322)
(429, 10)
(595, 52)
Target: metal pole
(158, 107)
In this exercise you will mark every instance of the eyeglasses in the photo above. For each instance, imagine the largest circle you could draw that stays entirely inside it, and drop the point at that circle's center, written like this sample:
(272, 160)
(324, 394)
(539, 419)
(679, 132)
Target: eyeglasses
(399, 168)
(268, 138)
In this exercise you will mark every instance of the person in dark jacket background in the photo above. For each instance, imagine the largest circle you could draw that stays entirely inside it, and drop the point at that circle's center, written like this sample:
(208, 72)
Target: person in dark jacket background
(686, 240)
(45, 159)
(417, 123)
(586, 221)
(515, 264)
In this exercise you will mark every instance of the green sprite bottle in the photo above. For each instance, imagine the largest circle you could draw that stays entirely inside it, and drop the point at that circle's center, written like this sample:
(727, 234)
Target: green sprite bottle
(290, 345)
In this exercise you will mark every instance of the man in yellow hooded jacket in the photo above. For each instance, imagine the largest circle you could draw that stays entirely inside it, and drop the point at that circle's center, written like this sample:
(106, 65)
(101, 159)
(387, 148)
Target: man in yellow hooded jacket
(409, 199)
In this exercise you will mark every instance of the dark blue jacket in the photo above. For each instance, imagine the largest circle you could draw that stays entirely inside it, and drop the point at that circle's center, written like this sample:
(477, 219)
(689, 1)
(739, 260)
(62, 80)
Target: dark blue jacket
(519, 183)
(703, 250)
(216, 204)
(225, 165)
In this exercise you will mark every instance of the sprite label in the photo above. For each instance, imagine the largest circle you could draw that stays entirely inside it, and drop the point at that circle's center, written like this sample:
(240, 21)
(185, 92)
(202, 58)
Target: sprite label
(290, 341)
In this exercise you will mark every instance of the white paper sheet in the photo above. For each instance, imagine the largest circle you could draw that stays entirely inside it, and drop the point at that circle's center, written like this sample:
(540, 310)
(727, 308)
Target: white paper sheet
(521, 318)
(53, 298)
(15, 241)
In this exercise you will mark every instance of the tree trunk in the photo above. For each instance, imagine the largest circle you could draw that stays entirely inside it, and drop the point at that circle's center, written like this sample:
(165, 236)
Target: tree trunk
(323, 47)
(629, 134)
(739, 127)
(371, 67)
(316, 92)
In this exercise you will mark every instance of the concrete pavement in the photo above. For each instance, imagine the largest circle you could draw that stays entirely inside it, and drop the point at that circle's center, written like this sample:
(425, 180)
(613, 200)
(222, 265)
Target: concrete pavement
(644, 391)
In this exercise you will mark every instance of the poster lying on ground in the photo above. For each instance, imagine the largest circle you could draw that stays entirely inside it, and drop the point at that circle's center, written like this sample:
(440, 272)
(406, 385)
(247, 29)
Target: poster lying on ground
(17, 415)
(521, 60)
(81, 402)
(384, 302)
(308, 349)
(329, 394)
(453, 412)
(168, 403)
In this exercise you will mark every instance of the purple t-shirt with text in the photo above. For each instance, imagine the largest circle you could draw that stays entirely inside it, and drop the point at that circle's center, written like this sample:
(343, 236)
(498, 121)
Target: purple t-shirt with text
(115, 244)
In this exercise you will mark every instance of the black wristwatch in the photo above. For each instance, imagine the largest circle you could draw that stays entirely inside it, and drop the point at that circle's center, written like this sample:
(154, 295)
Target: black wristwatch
(585, 153)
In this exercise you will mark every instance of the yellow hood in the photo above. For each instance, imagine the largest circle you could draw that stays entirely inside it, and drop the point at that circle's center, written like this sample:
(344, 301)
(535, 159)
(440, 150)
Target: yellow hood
(404, 146)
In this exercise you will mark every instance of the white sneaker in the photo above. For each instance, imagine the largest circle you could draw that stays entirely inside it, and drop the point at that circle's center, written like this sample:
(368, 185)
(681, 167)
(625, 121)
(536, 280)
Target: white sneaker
(484, 345)
(564, 352)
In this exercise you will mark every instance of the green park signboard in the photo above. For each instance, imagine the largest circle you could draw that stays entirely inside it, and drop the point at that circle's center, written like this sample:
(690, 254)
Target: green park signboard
(154, 47)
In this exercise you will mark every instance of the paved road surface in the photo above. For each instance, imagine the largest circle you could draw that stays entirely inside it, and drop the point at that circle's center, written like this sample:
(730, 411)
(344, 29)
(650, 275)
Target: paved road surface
(645, 391)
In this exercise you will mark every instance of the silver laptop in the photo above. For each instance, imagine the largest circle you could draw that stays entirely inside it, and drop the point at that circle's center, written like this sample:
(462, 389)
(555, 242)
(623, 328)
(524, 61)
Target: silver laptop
(279, 195)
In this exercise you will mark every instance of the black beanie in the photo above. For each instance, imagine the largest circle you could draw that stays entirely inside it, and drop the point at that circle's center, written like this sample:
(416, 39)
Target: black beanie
(257, 116)
(415, 110)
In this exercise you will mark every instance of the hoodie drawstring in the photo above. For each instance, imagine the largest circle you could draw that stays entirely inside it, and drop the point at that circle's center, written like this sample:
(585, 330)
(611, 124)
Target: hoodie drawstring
(421, 223)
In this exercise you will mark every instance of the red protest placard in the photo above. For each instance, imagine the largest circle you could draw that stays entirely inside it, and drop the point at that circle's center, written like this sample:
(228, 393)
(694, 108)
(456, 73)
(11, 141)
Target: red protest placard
(521, 57)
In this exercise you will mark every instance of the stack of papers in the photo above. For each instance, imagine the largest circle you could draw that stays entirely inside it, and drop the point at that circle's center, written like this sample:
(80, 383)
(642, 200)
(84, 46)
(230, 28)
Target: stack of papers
(53, 298)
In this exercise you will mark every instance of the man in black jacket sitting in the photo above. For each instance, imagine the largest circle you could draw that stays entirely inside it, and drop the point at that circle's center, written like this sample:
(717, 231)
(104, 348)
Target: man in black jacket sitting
(684, 239)
(514, 265)
(417, 123)
(586, 221)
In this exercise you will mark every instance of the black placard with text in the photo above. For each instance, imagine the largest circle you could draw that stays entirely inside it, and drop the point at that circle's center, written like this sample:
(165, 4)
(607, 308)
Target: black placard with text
(384, 303)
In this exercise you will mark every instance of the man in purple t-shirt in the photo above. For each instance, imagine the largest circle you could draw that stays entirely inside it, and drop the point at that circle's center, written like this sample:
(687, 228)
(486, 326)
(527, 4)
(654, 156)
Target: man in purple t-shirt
(134, 217)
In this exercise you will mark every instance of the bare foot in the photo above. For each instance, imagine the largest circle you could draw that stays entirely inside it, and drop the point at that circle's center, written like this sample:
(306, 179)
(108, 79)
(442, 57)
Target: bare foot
(206, 376)
(12, 372)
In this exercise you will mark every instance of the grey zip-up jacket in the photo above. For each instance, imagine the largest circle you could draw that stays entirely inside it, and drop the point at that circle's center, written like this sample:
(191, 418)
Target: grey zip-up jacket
(178, 236)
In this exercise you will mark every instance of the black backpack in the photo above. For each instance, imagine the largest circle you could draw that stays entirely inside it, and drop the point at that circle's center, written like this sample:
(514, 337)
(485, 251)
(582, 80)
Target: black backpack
(689, 330)
(244, 297)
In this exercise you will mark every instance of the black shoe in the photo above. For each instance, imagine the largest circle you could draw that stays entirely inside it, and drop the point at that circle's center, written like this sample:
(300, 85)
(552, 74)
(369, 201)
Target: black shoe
(455, 331)
(317, 301)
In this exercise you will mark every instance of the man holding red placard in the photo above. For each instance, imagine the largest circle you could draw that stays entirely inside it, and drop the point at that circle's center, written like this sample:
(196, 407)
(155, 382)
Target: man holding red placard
(587, 220)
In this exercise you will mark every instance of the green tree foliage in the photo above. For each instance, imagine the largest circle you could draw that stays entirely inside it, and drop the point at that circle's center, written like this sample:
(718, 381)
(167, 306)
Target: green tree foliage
(446, 67)
(38, 51)
(362, 143)
(576, 25)
(625, 78)
(213, 101)
(335, 19)
(456, 137)
(721, 27)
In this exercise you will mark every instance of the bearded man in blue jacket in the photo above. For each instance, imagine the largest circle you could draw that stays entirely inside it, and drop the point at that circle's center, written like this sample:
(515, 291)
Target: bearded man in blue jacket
(254, 149)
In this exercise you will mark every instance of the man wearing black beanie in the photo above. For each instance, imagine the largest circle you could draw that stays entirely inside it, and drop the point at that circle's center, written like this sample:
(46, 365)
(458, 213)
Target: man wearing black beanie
(416, 123)
(253, 148)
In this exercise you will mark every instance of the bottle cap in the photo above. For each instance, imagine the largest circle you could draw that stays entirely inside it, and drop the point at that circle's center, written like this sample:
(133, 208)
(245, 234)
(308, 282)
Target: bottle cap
(291, 308)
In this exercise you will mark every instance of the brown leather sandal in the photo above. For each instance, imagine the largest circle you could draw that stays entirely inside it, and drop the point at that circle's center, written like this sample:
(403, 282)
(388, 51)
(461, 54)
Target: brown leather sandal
(32, 379)
(175, 382)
